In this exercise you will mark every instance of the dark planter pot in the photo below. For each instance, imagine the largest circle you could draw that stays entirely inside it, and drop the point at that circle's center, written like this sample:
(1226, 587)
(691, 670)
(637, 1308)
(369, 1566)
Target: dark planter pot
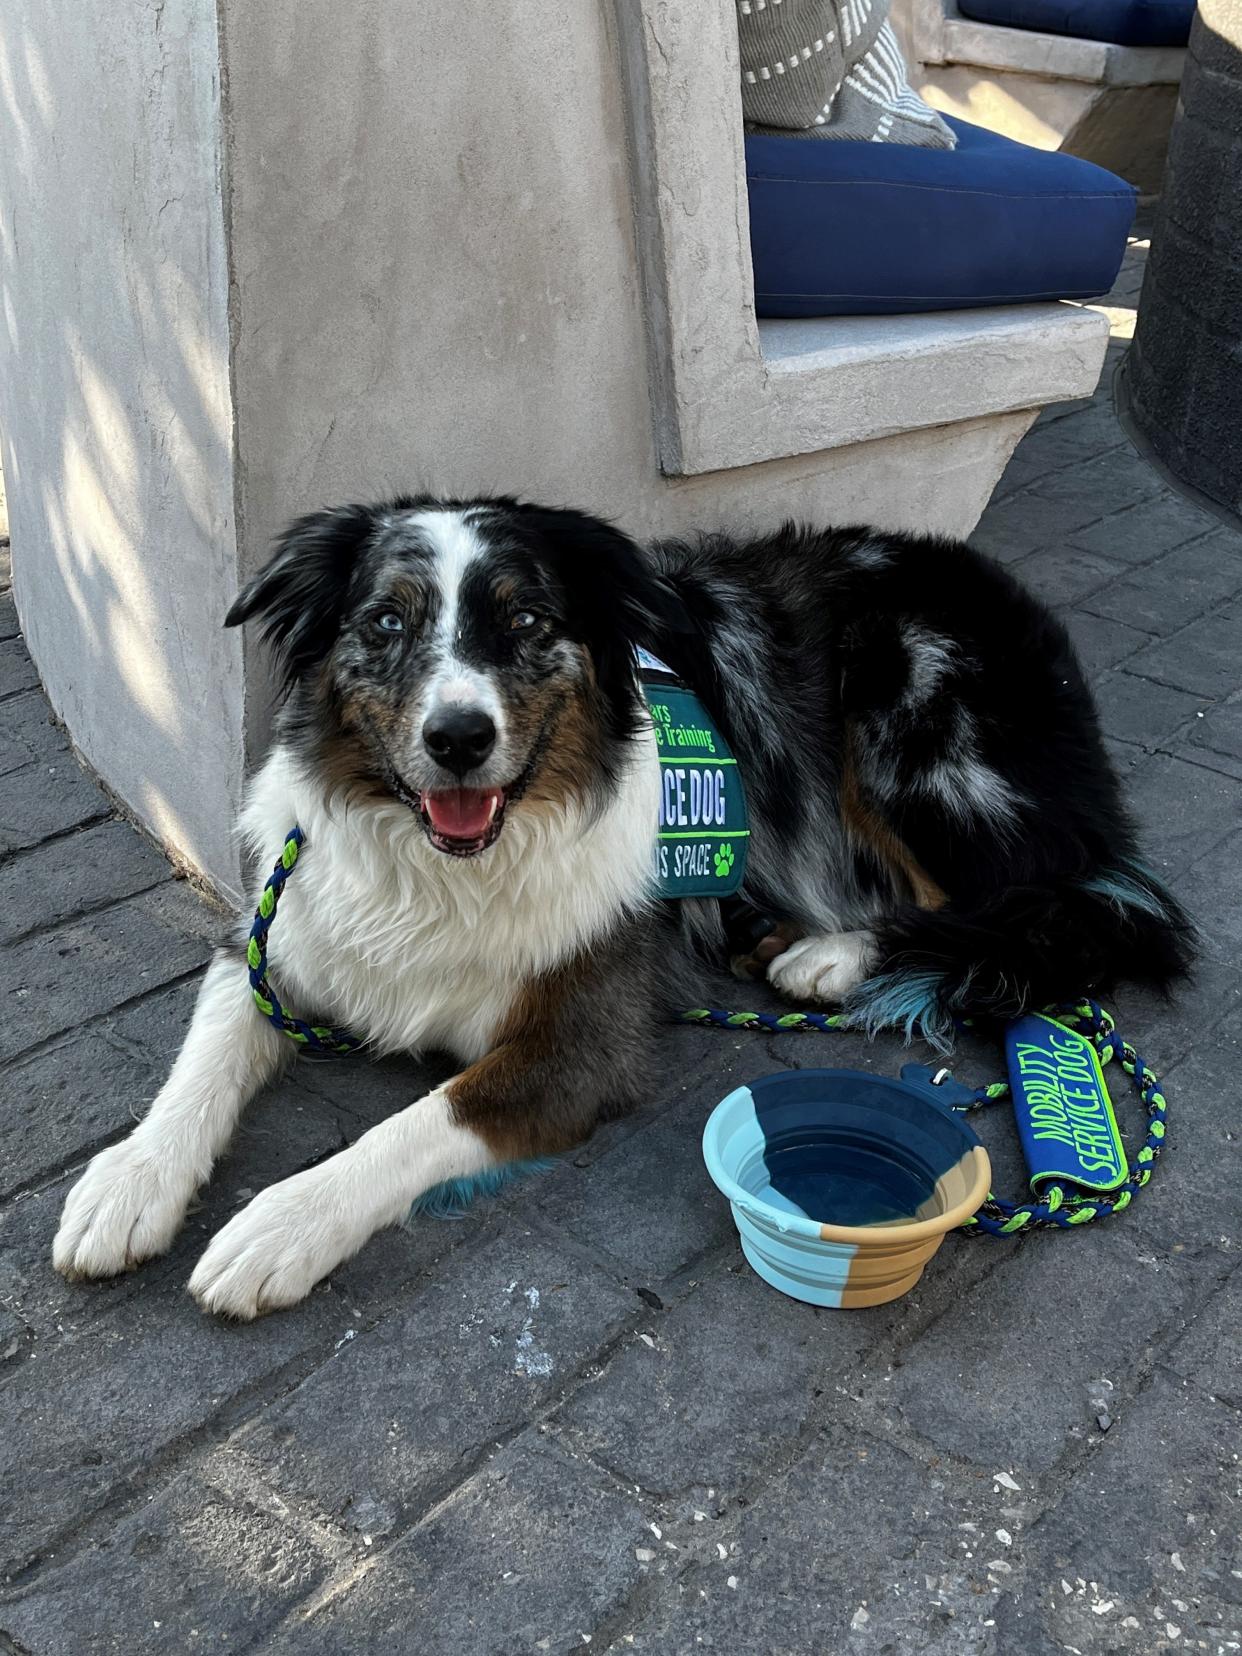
(1180, 387)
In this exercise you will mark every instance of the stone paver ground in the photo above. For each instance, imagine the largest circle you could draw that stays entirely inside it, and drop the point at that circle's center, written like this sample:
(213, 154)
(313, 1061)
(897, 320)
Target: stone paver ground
(574, 1417)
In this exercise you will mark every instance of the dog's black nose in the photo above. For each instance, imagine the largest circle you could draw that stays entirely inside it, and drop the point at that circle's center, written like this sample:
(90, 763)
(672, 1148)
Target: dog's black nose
(459, 738)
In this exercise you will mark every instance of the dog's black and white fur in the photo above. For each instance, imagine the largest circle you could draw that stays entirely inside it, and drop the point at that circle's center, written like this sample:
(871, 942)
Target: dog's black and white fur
(937, 831)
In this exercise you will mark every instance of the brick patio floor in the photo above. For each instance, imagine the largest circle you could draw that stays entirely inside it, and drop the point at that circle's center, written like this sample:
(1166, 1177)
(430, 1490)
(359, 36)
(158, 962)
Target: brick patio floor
(574, 1417)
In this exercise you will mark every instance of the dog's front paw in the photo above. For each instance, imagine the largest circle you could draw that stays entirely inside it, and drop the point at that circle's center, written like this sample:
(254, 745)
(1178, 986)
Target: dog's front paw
(125, 1208)
(276, 1249)
(823, 968)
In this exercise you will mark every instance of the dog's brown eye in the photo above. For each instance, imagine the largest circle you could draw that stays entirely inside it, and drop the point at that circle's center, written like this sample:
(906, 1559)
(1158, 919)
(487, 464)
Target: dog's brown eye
(389, 622)
(522, 620)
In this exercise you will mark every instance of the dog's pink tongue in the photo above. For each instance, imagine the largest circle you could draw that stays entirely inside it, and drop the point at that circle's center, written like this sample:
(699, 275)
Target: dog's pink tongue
(462, 813)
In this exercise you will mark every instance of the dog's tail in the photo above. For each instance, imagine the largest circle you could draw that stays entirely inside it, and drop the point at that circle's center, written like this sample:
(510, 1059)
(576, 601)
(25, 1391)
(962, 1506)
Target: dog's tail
(1023, 949)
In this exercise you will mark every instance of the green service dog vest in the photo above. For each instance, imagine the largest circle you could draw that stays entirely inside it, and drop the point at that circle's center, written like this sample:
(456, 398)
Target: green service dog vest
(704, 829)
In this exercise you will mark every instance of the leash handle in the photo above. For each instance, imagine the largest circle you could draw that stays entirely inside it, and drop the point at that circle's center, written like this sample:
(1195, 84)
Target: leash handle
(1062, 1207)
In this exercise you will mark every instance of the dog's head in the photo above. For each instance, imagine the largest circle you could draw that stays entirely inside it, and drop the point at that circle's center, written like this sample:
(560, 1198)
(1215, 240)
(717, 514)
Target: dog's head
(466, 658)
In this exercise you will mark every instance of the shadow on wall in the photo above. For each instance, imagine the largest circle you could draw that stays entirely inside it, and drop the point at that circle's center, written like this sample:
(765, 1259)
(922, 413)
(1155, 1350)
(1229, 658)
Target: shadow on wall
(115, 416)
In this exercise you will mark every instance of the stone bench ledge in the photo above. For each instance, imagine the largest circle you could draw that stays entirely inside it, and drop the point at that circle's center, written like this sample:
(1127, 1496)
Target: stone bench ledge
(1057, 57)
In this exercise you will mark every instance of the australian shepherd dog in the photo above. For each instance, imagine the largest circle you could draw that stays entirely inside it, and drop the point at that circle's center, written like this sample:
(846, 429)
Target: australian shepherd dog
(936, 833)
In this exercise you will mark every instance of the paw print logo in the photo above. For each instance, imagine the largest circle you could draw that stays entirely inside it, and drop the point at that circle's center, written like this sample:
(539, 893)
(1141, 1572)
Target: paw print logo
(724, 861)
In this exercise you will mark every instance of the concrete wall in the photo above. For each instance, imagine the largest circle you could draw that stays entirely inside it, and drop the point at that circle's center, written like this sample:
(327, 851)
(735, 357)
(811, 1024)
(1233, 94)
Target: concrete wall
(114, 405)
(471, 336)
(462, 173)
(431, 280)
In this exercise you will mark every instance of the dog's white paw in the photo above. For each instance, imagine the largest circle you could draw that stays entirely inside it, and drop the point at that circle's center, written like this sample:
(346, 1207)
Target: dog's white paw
(823, 968)
(126, 1207)
(278, 1247)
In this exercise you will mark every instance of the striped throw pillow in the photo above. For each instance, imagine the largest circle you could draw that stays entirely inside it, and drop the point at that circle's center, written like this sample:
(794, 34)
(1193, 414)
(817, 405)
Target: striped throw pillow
(830, 69)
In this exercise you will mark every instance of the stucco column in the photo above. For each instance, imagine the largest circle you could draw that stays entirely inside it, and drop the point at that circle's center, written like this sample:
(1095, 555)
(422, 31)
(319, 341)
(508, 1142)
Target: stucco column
(115, 403)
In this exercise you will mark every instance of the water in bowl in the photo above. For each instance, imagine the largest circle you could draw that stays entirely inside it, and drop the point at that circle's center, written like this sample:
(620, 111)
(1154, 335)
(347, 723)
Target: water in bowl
(839, 1184)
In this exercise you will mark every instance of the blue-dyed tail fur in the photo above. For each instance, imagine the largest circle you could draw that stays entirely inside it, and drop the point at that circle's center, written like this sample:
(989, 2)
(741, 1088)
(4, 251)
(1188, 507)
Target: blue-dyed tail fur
(1024, 948)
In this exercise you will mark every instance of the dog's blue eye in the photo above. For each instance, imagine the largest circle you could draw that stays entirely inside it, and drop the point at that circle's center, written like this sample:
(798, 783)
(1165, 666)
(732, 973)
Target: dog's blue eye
(390, 622)
(522, 620)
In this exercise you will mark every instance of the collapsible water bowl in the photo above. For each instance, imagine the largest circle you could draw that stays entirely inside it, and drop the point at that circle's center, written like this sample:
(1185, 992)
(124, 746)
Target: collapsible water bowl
(843, 1184)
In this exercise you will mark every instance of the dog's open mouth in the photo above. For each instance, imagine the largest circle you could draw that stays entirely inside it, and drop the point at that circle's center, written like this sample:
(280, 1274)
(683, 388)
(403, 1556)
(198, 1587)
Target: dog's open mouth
(462, 821)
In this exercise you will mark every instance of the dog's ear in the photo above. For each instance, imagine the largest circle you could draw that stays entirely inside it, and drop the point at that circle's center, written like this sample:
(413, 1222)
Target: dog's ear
(618, 596)
(618, 601)
(300, 592)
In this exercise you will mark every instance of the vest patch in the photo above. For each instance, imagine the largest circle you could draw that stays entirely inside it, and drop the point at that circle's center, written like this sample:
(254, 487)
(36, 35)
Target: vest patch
(704, 827)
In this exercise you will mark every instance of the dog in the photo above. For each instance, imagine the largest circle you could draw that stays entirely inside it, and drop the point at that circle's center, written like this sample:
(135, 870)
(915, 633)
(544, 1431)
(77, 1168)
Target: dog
(936, 833)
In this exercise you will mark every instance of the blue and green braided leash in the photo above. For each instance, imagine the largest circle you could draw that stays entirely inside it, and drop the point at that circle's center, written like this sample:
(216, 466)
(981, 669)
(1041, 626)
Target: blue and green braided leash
(1059, 1206)
(314, 1037)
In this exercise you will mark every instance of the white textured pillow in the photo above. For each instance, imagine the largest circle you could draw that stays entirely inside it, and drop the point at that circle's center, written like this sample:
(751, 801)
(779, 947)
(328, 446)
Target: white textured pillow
(830, 69)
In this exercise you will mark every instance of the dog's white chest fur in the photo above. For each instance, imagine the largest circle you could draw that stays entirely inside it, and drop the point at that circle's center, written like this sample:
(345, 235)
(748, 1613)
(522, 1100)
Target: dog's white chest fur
(410, 948)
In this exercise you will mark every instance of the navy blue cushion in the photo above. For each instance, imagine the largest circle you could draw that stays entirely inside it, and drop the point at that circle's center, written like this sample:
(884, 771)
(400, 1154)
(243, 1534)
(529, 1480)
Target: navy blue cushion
(864, 229)
(1124, 22)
